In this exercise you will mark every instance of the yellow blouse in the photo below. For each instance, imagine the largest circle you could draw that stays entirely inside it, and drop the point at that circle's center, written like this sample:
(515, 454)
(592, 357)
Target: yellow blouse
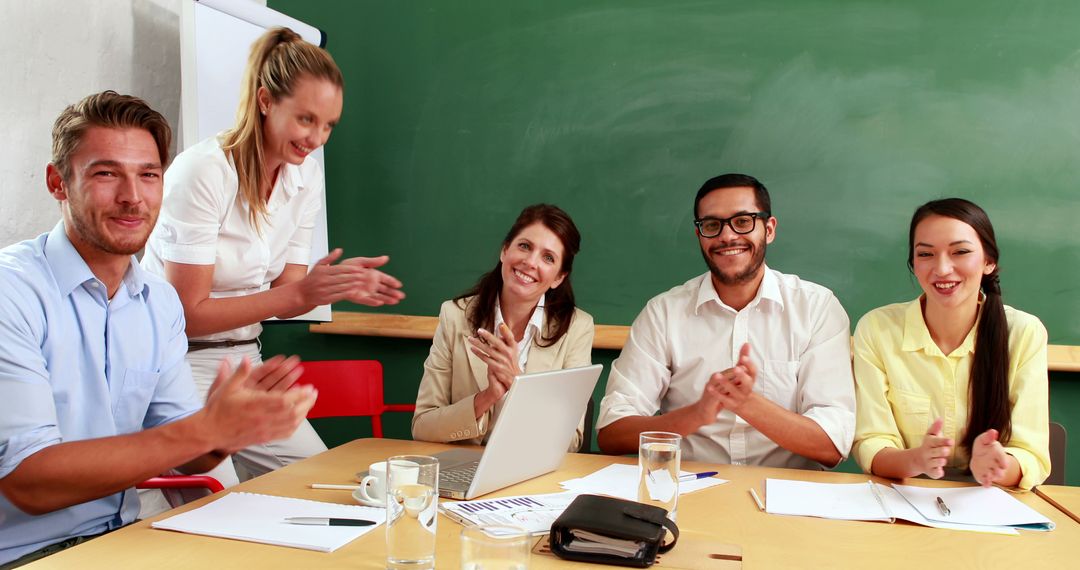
(903, 382)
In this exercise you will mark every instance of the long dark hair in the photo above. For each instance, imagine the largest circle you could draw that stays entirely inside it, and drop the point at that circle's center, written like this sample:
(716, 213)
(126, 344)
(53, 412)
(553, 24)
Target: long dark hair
(558, 302)
(989, 382)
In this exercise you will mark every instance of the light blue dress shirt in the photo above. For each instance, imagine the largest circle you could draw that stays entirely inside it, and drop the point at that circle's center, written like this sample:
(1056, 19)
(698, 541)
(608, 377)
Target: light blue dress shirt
(75, 365)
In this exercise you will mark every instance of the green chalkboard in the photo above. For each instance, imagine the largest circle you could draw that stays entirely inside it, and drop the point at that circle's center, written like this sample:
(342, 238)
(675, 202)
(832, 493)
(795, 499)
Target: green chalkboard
(459, 113)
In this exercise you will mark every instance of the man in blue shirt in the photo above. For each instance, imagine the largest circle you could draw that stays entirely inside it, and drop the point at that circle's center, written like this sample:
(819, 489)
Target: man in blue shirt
(95, 394)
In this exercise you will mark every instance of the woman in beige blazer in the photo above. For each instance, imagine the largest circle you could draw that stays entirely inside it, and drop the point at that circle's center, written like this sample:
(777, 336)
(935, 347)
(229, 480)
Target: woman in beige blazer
(519, 318)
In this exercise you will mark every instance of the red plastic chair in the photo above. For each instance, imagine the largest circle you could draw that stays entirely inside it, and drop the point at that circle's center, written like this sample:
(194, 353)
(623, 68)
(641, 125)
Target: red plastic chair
(182, 482)
(350, 388)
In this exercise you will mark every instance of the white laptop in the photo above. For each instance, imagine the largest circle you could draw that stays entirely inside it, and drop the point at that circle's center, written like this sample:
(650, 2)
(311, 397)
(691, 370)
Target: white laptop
(535, 427)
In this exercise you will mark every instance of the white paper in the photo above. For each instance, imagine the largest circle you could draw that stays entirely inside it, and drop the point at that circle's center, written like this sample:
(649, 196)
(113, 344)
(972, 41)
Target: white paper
(261, 518)
(845, 501)
(622, 481)
(854, 501)
(974, 506)
(900, 508)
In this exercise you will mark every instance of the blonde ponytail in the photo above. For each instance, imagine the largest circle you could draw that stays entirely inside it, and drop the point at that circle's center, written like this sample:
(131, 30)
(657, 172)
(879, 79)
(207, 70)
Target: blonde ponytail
(279, 58)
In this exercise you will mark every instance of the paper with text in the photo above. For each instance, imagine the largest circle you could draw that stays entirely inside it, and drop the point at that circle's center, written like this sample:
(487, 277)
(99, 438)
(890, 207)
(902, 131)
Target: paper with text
(534, 513)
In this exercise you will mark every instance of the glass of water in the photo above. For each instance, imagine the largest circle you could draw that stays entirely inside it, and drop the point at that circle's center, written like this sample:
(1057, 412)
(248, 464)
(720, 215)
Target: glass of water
(412, 492)
(659, 454)
(495, 547)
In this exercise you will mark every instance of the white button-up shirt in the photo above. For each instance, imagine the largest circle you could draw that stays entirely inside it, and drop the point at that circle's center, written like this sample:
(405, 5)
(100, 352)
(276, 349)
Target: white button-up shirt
(205, 221)
(532, 328)
(800, 342)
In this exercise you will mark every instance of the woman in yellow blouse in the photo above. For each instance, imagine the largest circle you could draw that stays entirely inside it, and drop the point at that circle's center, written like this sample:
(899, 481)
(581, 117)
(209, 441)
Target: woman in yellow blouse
(954, 380)
(520, 317)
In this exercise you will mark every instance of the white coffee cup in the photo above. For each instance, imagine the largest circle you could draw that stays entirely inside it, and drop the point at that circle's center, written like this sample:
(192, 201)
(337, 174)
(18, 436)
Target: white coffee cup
(373, 486)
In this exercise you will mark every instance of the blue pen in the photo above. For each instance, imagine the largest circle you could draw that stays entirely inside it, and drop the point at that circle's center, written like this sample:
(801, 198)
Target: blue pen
(696, 476)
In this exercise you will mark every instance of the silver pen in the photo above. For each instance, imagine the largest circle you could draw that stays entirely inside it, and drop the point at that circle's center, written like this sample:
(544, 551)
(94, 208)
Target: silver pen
(328, 521)
(941, 507)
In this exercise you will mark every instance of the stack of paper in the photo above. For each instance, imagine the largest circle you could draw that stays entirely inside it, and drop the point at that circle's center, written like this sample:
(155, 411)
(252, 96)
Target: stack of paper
(986, 506)
(261, 518)
(975, 509)
(622, 481)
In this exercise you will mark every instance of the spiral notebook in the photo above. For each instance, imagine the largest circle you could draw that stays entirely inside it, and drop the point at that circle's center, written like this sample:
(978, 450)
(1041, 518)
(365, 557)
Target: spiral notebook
(261, 518)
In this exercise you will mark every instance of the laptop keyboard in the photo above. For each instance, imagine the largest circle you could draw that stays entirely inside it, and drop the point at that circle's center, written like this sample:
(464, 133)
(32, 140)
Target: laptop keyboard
(460, 474)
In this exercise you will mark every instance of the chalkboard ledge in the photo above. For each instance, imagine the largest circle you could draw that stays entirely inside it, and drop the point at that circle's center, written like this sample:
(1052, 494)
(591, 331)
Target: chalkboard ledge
(408, 326)
(1060, 358)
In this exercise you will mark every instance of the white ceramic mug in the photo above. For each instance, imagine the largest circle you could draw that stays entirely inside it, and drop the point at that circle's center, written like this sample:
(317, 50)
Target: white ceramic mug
(376, 480)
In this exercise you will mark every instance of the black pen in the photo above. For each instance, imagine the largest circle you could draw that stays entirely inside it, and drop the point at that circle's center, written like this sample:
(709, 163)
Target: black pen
(325, 521)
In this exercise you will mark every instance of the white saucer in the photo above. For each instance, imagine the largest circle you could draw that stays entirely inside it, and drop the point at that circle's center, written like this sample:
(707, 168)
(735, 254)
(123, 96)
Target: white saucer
(360, 499)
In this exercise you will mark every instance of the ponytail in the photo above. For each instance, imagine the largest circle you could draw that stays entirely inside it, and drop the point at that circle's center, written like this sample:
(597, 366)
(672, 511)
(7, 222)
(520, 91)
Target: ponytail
(279, 58)
(989, 390)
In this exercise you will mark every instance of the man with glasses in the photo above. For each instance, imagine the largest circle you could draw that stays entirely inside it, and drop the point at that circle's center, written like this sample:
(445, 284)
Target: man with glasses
(750, 365)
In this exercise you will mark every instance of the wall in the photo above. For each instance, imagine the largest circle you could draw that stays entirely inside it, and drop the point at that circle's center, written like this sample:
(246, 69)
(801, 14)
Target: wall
(54, 52)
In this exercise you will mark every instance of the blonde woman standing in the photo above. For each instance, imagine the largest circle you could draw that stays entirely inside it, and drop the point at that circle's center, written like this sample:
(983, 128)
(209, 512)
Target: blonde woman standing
(239, 210)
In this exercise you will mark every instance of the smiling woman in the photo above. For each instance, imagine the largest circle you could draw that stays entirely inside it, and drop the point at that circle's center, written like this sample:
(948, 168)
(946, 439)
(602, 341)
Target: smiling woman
(518, 318)
(236, 226)
(954, 379)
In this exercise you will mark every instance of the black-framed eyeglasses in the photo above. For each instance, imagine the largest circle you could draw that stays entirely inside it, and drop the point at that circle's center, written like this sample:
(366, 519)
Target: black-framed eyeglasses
(741, 224)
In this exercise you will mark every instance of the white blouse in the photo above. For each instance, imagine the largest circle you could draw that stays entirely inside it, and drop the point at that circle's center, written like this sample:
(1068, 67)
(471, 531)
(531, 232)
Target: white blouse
(532, 329)
(205, 221)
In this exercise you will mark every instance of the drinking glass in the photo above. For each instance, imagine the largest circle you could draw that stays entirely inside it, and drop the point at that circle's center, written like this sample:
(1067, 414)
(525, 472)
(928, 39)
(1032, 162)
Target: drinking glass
(659, 454)
(494, 547)
(412, 497)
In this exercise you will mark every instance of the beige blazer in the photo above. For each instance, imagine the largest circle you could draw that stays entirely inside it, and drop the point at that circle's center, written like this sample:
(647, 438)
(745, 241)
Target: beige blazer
(453, 375)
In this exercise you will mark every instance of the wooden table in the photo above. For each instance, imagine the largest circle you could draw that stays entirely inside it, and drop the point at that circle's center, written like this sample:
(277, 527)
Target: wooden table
(724, 514)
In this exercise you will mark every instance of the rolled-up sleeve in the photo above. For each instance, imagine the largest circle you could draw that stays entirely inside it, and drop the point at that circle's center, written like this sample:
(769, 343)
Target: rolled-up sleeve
(640, 375)
(826, 386)
(1030, 440)
(876, 427)
(192, 210)
(28, 420)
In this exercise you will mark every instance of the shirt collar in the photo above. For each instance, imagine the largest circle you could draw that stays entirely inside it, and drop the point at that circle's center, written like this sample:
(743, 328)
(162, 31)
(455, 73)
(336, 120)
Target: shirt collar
(536, 321)
(292, 179)
(288, 184)
(70, 269)
(917, 334)
(769, 289)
